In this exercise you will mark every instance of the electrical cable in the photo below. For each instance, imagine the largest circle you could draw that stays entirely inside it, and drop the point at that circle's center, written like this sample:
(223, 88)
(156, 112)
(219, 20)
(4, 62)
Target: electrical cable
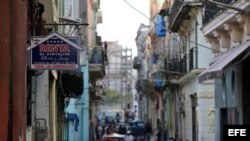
(169, 31)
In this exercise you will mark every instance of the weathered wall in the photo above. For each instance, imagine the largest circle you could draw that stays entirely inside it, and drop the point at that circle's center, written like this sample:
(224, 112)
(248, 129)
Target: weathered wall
(13, 34)
(205, 110)
(5, 41)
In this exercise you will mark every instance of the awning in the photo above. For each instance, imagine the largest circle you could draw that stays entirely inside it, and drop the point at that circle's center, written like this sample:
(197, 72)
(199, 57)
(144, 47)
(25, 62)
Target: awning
(230, 57)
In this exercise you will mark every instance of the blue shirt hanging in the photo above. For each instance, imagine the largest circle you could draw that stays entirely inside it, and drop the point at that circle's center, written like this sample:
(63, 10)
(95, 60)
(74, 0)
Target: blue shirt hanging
(158, 81)
(161, 26)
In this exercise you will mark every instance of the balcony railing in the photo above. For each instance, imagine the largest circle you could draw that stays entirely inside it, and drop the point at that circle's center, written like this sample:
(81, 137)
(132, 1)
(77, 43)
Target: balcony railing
(97, 56)
(98, 40)
(97, 62)
(99, 16)
(175, 65)
(212, 10)
(184, 64)
(137, 63)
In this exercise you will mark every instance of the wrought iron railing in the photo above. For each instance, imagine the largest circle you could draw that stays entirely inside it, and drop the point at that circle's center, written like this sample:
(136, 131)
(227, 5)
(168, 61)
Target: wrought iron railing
(184, 64)
(173, 65)
(212, 10)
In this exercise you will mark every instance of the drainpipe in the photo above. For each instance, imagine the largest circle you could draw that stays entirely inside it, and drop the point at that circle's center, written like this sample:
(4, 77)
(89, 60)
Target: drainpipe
(85, 101)
(196, 43)
(196, 40)
(163, 97)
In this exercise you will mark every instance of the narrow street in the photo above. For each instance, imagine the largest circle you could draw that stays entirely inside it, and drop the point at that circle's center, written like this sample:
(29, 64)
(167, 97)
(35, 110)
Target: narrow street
(124, 70)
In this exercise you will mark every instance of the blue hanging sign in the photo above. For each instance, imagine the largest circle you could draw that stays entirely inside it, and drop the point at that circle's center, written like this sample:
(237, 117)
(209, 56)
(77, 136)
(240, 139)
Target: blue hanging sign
(54, 52)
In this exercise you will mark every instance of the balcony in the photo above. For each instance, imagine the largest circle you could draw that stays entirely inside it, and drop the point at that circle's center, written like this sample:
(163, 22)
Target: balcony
(99, 17)
(97, 62)
(96, 94)
(98, 40)
(211, 11)
(182, 65)
(139, 85)
(173, 66)
(137, 63)
(177, 14)
(226, 24)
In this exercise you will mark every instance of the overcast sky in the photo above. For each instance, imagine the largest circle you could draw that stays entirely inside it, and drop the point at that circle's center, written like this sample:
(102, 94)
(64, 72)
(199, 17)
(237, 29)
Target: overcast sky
(121, 22)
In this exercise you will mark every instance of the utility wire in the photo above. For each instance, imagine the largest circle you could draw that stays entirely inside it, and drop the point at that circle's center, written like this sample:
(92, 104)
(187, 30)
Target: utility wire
(169, 31)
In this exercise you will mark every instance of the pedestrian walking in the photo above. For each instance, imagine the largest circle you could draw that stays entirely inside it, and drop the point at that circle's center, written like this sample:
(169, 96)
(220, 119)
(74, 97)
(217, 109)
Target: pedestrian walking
(148, 131)
(124, 129)
(117, 117)
(158, 134)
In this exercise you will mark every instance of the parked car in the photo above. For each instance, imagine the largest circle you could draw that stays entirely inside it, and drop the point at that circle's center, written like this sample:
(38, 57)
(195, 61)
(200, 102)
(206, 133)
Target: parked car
(137, 128)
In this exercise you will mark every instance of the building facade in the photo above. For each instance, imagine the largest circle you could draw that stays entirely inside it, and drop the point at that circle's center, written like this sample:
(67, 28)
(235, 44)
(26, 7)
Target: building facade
(176, 54)
(194, 101)
(228, 35)
(34, 101)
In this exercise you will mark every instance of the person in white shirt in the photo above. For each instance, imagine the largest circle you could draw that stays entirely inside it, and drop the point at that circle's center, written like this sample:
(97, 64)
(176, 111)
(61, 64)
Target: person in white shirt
(128, 137)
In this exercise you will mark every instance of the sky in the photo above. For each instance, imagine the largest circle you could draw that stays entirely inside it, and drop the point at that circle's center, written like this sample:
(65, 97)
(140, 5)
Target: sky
(121, 22)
